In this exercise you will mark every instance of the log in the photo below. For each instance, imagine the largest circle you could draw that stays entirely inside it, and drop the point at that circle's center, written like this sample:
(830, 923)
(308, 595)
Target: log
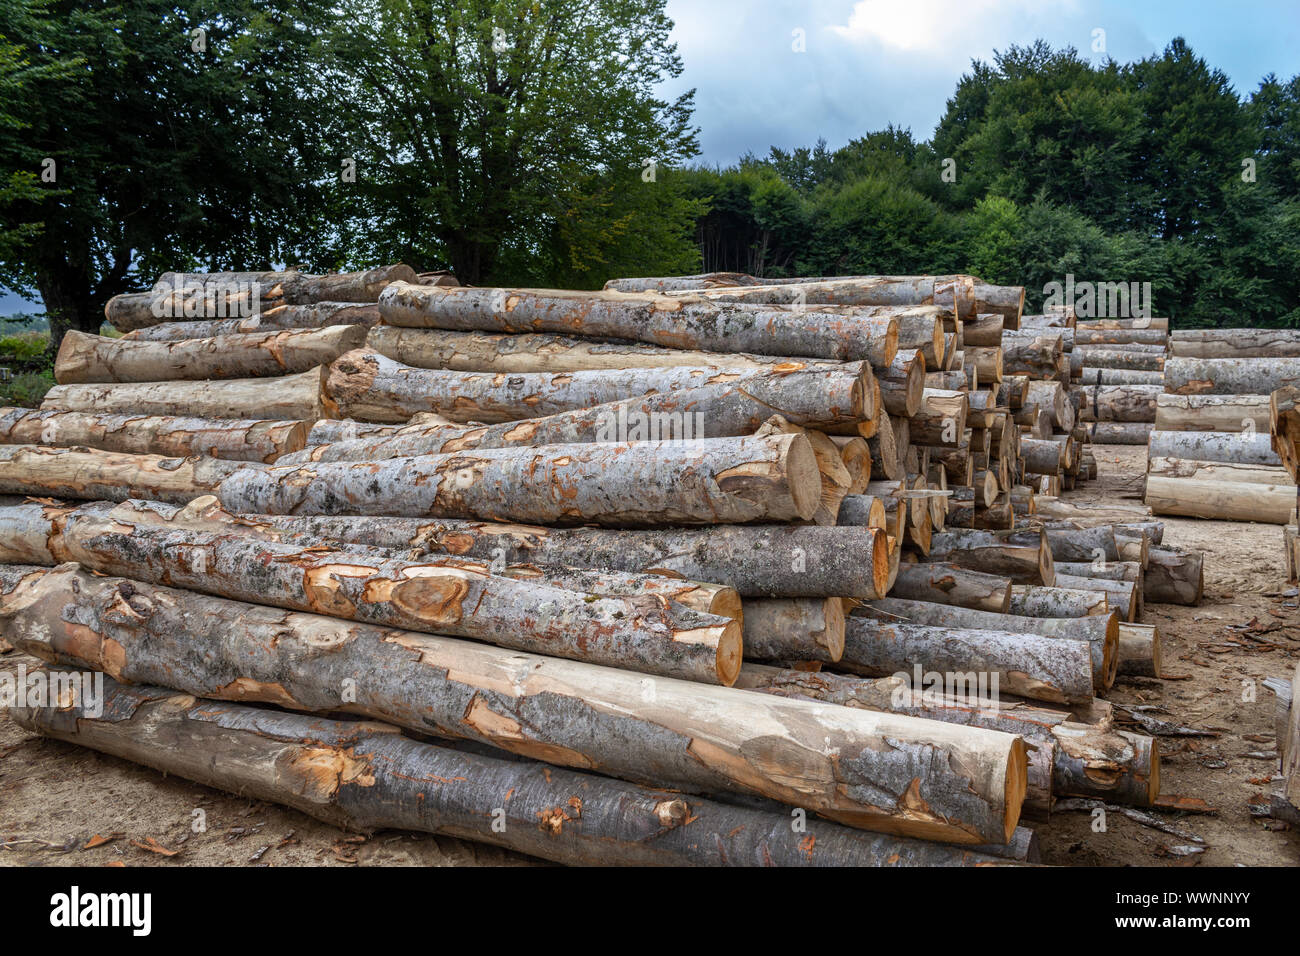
(47, 472)
(983, 331)
(1133, 359)
(1284, 428)
(923, 332)
(1118, 403)
(941, 419)
(989, 552)
(1211, 413)
(886, 458)
(1082, 544)
(954, 381)
(1006, 300)
(1245, 448)
(701, 596)
(1139, 650)
(1174, 576)
(1119, 433)
(367, 776)
(449, 596)
(1197, 498)
(543, 352)
(170, 437)
(1057, 602)
(805, 629)
(317, 315)
(1042, 456)
(931, 780)
(1119, 376)
(1233, 376)
(952, 584)
(1032, 355)
(988, 362)
(954, 294)
(1112, 570)
(1132, 336)
(92, 359)
(1028, 665)
(688, 323)
(1145, 322)
(290, 397)
(1122, 596)
(1226, 472)
(327, 430)
(902, 384)
(1066, 757)
(1051, 397)
(855, 455)
(1290, 747)
(834, 476)
(866, 511)
(1100, 631)
(1234, 343)
(708, 280)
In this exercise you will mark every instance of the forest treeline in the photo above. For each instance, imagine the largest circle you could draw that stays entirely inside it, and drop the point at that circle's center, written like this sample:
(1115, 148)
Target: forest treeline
(527, 142)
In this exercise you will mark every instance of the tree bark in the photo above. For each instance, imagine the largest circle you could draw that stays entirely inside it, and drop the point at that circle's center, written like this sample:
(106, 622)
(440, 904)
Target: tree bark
(1198, 498)
(723, 480)
(1284, 428)
(1089, 336)
(990, 552)
(953, 585)
(1233, 376)
(941, 419)
(315, 316)
(1235, 343)
(327, 430)
(1119, 433)
(885, 772)
(1028, 665)
(44, 471)
(1091, 356)
(1123, 596)
(686, 323)
(1139, 650)
(803, 629)
(367, 776)
(1118, 376)
(983, 331)
(94, 359)
(1243, 448)
(903, 383)
(1118, 403)
(1211, 413)
(1174, 576)
(233, 440)
(291, 397)
(1042, 456)
(1057, 602)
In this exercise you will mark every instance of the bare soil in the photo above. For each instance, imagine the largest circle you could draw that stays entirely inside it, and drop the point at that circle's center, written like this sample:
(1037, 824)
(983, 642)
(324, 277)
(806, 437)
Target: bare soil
(54, 797)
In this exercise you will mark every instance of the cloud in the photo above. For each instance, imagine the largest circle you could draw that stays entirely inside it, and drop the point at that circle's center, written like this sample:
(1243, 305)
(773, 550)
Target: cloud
(945, 26)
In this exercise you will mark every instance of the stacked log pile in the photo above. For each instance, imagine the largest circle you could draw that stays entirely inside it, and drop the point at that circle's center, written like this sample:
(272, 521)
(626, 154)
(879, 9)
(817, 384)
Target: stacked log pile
(1118, 366)
(629, 544)
(1215, 451)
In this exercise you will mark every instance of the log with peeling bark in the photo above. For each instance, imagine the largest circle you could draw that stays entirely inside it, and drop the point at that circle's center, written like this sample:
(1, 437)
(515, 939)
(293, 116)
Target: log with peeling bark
(1059, 670)
(903, 383)
(1133, 336)
(687, 323)
(1100, 631)
(1174, 576)
(1139, 650)
(1118, 403)
(986, 361)
(803, 629)
(1114, 570)
(1042, 456)
(86, 473)
(642, 630)
(1211, 413)
(1057, 602)
(289, 397)
(1082, 544)
(367, 776)
(922, 332)
(867, 511)
(317, 315)
(1215, 499)
(1284, 428)
(1235, 343)
(983, 331)
(1119, 357)
(1227, 472)
(1247, 447)
(1231, 376)
(296, 287)
(991, 553)
(727, 480)
(325, 431)
(1141, 322)
(1034, 355)
(870, 770)
(1121, 596)
(952, 584)
(1119, 433)
(1119, 376)
(719, 599)
(542, 352)
(95, 359)
(170, 437)
(940, 420)
(1066, 757)
(954, 294)
(835, 477)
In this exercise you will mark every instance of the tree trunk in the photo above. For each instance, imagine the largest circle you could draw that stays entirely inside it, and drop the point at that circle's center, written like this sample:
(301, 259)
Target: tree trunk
(1174, 576)
(367, 776)
(1211, 413)
(93, 359)
(952, 584)
(1225, 472)
(318, 315)
(950, 293)
(708, 280)
(1087, 336)
(989, 552)
(1148, 322)
(1139, 650)
(922, 332)
(1238, 501)
(1118, 403)
(47, 472)
(1118, 376)
(886, 457)
(1042, 456)
(855, 454)
(1032, 355)
(1119, 433)
(1233, 376)
(861, 510)
(290, 397)
(987, 361)
(1057, 602)
(1243, 448)
(686, 323)
(1028, 665)
(1235, 343)
(885, 772)
(983, 331)
(902, 384)
(263, 441)
(1123, 596)
(1082, 544)
(1091, 356)
(1284, 428)
(722, 480)
(941, 419)
(794, 629)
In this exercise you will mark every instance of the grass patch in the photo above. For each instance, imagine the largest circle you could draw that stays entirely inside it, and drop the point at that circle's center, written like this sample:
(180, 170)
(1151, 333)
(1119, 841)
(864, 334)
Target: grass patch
(26, 389)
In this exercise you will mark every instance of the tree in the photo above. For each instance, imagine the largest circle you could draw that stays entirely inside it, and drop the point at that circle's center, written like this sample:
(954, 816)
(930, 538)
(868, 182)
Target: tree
(471, 123)
(164, 136)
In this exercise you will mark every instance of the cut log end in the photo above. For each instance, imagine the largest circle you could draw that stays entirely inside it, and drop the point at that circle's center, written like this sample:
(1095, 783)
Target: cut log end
(804, 477)
(1017, 782)
(731, 651)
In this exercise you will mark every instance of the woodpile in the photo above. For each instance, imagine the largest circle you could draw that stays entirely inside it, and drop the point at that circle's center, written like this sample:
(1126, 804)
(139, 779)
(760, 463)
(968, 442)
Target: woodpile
(690, 553)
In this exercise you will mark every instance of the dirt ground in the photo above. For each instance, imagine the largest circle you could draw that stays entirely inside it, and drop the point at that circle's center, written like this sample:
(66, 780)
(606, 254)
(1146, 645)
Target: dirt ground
(54, 798)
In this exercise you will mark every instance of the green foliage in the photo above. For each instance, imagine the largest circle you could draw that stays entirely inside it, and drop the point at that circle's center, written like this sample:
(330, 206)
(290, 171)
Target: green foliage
(25, 389)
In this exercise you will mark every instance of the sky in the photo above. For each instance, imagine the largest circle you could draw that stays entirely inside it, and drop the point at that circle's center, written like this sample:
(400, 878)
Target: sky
(869, 63)
(782, 73)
